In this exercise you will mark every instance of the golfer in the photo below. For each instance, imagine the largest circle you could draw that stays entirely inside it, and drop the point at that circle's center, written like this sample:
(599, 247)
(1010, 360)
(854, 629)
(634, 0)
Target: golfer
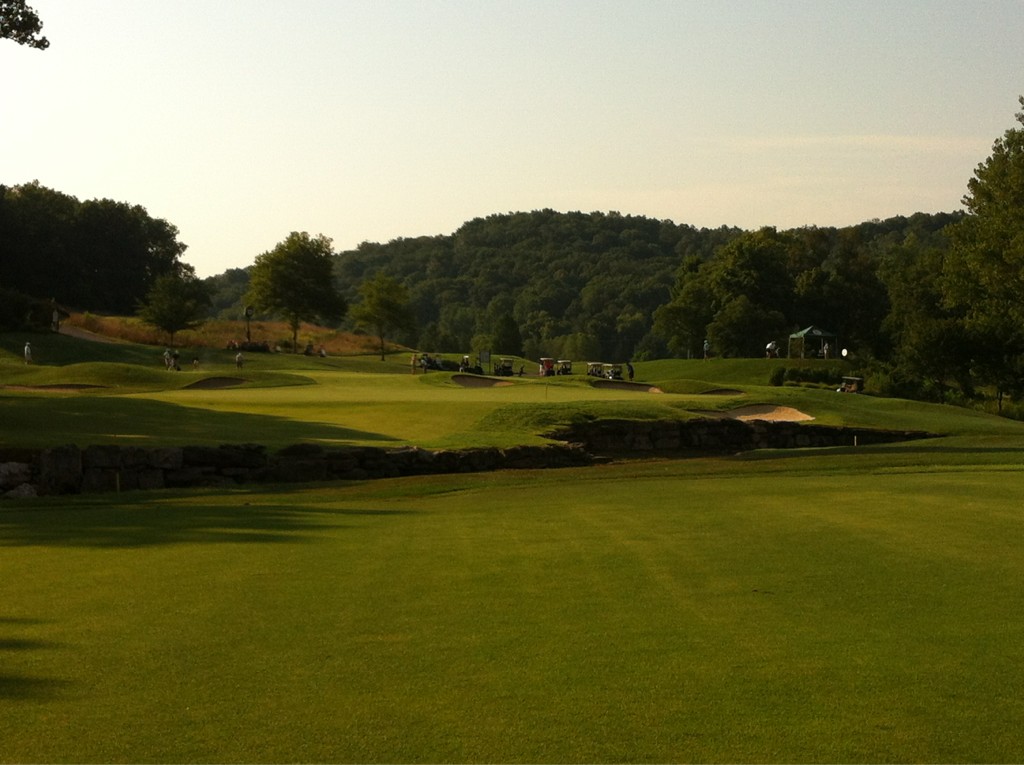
(28, 353)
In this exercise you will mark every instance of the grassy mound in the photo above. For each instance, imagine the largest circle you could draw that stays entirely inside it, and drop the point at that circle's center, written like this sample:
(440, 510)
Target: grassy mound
(361, 399)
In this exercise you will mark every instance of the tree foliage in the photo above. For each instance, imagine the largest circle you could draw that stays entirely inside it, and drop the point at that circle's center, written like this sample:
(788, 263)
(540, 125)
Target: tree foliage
(98, 255)
(930, 339)
(176, 301)
(557, 275)
(20, 22)
(384, 307)
(984, 273)
(296, 280)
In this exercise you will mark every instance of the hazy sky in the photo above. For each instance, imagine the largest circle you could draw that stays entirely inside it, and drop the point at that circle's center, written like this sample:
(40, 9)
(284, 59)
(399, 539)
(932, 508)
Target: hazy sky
(240, 121)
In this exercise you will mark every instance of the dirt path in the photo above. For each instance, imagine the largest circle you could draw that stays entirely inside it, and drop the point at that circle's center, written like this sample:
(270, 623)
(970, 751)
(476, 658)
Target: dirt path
(84, 334)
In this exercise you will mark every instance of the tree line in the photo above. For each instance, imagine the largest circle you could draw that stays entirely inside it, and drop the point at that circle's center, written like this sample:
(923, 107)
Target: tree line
(932, 298)
(99, 255)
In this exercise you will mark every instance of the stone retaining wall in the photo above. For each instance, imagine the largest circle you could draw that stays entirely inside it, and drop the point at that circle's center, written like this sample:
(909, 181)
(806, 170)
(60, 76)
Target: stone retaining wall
(719, 436)
(71, 470)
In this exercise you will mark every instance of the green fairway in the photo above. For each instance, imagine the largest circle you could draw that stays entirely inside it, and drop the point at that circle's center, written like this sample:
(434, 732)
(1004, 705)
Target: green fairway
(92, 393)
(788, 608)
(849, 604)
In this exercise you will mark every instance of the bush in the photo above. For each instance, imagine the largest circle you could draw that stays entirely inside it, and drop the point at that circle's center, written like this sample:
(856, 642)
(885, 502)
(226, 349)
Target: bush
(15, 310)
(777, 377)
(826, 376)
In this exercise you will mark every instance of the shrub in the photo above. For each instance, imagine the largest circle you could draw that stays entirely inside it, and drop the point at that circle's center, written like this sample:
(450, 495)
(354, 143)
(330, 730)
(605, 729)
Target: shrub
(15, 310)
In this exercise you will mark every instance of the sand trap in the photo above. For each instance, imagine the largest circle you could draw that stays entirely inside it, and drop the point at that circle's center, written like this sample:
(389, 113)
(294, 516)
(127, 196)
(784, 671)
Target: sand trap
(625, 385)
(473, 381)
(768, 412)
(212, 383)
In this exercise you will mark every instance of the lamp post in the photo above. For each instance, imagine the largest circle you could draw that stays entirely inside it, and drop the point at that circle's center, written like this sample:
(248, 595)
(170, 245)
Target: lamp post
(249, 311)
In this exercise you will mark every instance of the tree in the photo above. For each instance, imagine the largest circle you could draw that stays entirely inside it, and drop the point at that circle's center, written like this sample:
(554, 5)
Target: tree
(295, 280)
(507, 338)
(931, 340)
(739, 299)
(21, 23)
(741, 326)
(97, 255)
(384, 307)
(985, 268)
(119, 252)
(176, 302)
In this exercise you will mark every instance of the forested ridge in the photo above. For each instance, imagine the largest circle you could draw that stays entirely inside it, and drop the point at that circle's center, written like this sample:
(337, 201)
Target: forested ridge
(933, 300)
(591, 285)
(597, 285)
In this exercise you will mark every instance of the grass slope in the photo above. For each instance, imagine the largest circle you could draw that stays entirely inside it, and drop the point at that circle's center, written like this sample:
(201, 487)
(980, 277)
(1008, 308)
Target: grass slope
(121, 391)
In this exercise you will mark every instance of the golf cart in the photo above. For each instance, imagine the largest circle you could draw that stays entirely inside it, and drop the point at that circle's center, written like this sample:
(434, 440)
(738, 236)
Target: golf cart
(594, 368)
(564, 367)
(547, 368)
(504, 368)
(611, 371)
(851, 385)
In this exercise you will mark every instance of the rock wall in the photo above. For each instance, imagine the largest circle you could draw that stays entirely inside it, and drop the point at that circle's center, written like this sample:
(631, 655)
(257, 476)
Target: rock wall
(71, 470)
(719, 436)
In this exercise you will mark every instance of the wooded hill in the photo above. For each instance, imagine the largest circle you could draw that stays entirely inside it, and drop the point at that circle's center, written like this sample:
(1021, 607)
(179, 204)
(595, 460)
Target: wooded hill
(616, 287)
(600, 285)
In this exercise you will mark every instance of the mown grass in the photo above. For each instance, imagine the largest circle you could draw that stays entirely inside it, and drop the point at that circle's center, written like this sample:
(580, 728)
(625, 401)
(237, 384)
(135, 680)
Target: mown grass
(124, 392)
(842, 605)
(797, 608)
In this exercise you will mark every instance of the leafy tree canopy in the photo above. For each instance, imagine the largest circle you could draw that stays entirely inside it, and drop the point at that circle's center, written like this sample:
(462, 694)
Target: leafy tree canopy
(97, 255)
(384, 306)
(984, 271)
(296, 281)
(20, 22)
(176, 302)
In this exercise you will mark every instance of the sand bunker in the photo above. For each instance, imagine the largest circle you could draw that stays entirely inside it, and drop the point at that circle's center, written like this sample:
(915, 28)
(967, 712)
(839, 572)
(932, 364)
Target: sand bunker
(767, 412)
(625, 385)
(212, 383)
(473, 381)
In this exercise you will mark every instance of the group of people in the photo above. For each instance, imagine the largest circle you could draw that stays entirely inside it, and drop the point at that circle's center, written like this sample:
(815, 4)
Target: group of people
(172, 358)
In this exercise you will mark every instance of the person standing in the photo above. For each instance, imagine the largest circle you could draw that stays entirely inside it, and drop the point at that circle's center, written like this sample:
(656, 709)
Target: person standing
(707, 350)
(629, 370)
(28, 353)
(239, 360)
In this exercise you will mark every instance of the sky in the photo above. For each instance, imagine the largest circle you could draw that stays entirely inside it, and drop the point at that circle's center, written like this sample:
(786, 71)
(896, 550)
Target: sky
(241, 121)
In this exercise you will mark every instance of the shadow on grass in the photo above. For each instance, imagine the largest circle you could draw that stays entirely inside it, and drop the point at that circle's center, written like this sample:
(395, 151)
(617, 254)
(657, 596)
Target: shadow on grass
(19, 687)
(140, 525)
(106, 522)
(46, 421)
(58, 350)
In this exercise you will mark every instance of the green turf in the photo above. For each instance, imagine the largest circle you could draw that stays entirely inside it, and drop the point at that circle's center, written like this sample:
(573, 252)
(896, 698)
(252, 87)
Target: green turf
(798, 608)
(121, 391)
(856, 604)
